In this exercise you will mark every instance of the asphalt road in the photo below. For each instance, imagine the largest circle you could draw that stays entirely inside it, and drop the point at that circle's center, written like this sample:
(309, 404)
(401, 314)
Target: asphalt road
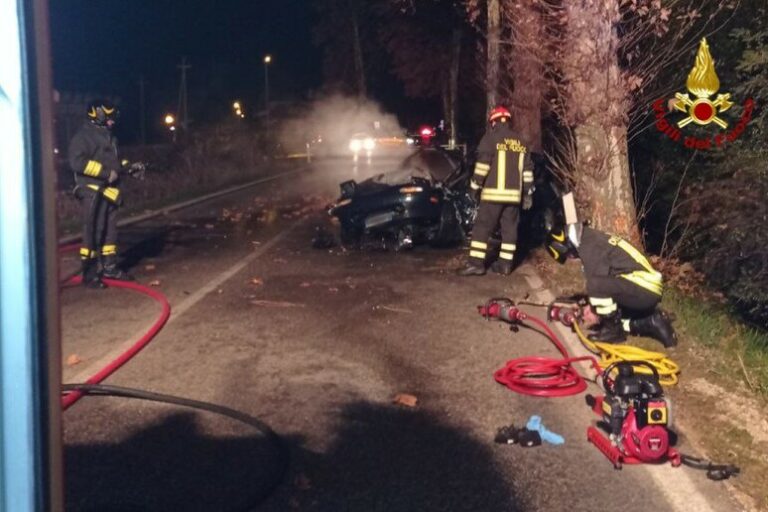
(316, 343)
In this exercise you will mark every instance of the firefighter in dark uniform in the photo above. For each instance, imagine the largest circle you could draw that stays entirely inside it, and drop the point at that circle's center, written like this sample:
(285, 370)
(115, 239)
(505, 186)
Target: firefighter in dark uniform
(624, 289)
(94, 159)
(504, 179)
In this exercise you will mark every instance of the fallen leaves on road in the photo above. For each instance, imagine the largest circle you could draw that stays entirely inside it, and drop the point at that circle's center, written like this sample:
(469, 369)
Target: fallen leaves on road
(305, 284)
(154, 282)
(405, 399)
(209, 226)
(257, 281)
(149, 267)
(73, 359)
(333, 289)
(276, 303)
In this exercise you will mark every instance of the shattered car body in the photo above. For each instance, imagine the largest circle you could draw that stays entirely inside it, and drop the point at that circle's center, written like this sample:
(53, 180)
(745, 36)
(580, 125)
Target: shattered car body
(426, 200)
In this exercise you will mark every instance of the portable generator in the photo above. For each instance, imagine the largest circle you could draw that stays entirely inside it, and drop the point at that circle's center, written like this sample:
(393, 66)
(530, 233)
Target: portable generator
(635, 415)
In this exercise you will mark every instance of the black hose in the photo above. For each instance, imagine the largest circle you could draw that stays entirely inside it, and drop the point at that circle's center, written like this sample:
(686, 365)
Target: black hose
(270, 435)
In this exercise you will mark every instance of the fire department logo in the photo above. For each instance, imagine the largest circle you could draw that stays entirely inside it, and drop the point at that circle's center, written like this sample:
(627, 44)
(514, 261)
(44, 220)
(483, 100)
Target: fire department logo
(703, 83)
(699, 107)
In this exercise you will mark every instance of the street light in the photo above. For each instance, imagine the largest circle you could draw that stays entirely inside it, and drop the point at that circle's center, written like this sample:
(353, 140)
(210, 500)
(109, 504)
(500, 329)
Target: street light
(170, 122)
(267, 62)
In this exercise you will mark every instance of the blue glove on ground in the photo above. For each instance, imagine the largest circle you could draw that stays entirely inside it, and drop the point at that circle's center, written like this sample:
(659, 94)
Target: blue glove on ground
(534, 423)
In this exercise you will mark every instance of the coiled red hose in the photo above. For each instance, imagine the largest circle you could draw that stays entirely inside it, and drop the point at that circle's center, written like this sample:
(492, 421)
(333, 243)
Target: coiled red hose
(536, 375)
(70, 398)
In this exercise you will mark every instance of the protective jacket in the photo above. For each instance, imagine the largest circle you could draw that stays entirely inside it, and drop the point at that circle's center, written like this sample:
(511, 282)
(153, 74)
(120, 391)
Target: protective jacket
(605, 255)
(504, 169)
(92, 155)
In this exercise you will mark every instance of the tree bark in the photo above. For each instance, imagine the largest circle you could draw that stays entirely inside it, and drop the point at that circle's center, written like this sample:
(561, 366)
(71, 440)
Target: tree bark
(492, 61)
(526, 71)
(596, 108)
(453, 93)
(358, 56)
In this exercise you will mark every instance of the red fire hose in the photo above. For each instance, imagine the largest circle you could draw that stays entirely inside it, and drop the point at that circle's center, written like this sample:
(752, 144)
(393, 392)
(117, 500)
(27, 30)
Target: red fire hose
(70, 398)
(535, 375)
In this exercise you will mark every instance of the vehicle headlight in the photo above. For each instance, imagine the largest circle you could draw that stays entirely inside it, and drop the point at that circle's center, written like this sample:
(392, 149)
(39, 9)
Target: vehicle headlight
(369, 144)
(355, 145)
(410, 140)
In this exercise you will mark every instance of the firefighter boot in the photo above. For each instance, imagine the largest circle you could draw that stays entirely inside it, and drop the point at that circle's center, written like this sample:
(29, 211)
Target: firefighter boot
(657, 326)
(472, 269)
(91, 277)
(110, 270)
(503, 267)
(610, 330)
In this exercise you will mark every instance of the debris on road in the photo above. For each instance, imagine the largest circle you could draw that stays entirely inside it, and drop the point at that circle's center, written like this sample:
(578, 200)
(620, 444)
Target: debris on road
(333, 289)
(154, 282)
(323, 239)
(522, 436)
(305, 284)
(73, 359)
(405, 399)
(276, 303)
(149, 268)
(257, 281)
(392, 309)
(209, 226)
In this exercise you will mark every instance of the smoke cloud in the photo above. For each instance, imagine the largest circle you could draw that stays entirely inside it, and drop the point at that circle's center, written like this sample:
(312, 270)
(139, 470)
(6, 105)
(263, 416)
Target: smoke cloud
(331, 122)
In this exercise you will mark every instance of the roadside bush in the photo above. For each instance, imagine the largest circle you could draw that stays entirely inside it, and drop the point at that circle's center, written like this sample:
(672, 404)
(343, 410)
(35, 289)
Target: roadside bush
(727, 222)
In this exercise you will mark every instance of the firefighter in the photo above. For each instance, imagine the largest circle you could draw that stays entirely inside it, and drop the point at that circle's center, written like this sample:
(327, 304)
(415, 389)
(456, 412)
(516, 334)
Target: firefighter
(624, 289)
(503, 178)
(94, 159)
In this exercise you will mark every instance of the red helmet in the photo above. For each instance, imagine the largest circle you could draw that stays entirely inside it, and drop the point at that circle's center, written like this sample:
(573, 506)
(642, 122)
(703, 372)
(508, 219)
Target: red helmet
(497, 113)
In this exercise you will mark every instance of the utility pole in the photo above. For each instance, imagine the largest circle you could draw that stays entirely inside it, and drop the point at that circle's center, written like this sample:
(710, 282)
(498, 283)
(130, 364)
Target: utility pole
(183, 113)
(142, 112)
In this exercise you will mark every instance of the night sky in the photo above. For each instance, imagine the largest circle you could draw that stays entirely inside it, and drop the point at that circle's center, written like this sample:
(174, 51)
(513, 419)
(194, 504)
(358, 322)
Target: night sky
(104, 46)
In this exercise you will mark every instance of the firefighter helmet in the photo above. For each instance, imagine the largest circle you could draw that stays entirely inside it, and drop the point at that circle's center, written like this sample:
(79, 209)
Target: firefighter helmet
(101, 111)
(559, 246)
(498, 113)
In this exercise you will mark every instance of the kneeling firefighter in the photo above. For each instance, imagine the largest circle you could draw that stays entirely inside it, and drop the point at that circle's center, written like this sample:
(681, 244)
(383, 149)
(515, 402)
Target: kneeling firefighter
(503, 178)
(93, 158)
(624, 289)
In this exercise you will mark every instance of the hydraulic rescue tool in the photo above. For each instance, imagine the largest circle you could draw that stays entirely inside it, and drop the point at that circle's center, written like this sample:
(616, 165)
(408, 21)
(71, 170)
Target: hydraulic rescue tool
(634, 411)
(636, 416)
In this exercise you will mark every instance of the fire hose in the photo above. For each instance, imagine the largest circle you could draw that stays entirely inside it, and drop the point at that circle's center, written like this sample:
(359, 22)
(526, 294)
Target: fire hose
(71, 393)
(568, 313)
(535, 375)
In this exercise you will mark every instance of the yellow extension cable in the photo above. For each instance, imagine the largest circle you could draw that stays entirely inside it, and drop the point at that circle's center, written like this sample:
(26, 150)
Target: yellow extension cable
(610, 354)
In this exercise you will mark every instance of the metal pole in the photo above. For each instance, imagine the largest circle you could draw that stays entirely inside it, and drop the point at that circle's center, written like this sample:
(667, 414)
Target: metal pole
(266, 91)
(142, 112)
(30, 354)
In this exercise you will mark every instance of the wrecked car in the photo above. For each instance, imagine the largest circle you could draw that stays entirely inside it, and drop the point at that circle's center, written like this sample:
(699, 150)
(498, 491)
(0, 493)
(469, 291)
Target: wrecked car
(426, 200)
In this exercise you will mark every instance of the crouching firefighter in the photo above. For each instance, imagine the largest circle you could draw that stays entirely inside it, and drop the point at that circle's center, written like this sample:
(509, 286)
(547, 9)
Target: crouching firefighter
(94, 159)
(503, 178)
(624, 289)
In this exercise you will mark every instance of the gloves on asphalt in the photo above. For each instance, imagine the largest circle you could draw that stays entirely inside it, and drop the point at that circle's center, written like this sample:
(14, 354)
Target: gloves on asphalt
(535, 424)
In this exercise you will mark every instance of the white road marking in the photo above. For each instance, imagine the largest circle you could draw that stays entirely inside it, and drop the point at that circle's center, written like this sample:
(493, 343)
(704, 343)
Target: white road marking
(185, 305)
(680, 492)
